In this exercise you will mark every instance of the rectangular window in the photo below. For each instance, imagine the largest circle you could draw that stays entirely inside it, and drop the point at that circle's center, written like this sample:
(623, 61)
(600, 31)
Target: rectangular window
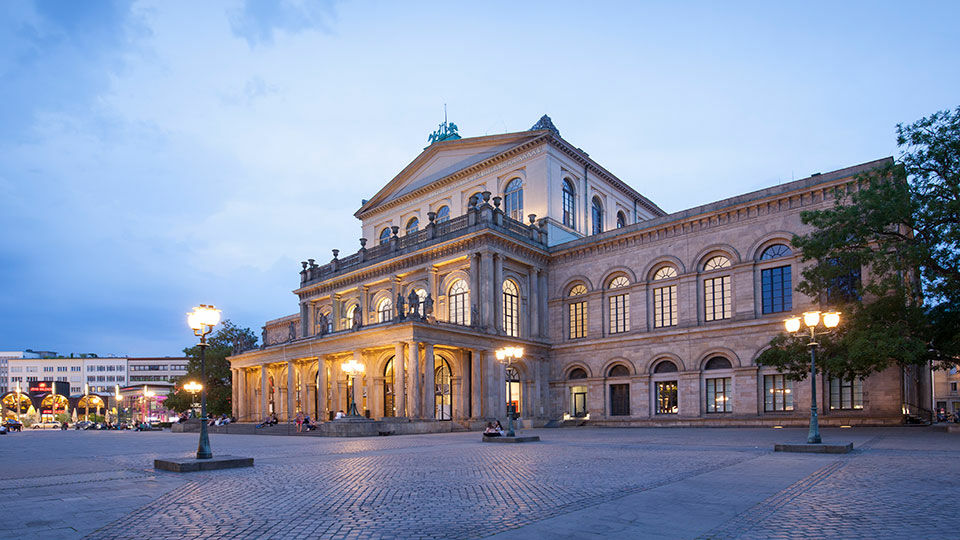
(665, 306)
(953, 387)
(777, 393)
(75, 368)
(716, 298)
(120, 378)
(16, 369)
(101, 368)
(718, 395)
(31, 379)
(91, 368)
(120, 368)
(48, 369)
(100, 378)
(776, 289)
(91, 378)
(578, 320)
(16, 379)
(619, 313)
(61, 368)
(31, 369)
(846, 394)
(111, 368)
(667, 397)
(110, 378)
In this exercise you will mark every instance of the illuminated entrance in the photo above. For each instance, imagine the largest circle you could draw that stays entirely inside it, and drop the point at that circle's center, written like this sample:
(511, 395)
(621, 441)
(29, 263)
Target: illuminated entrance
(443, 401)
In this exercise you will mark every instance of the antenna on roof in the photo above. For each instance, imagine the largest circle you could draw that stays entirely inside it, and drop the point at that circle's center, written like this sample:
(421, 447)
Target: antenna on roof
(444, 113)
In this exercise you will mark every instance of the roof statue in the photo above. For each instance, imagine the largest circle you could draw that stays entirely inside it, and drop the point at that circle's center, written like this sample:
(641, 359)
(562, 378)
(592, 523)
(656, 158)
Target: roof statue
(545, 123)
(446, 132)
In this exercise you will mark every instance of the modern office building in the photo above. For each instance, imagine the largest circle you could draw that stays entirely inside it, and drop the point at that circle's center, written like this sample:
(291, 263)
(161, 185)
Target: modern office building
(626, 315)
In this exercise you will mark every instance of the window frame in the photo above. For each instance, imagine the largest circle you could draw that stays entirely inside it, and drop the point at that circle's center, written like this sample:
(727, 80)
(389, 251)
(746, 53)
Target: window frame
(513, 199)
(596, 215)
(510, 318)
(569, 203)
(458, 311)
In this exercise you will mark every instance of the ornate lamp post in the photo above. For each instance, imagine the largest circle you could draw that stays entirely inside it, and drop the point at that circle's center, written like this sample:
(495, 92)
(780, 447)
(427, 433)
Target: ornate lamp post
(507, 356)
(18, 401)
(812, 319)
(353, 368)
(147, 394)
(202, 320)
(193, 387)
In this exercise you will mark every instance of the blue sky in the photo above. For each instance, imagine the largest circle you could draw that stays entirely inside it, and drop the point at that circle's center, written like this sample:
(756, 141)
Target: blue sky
(157, 155)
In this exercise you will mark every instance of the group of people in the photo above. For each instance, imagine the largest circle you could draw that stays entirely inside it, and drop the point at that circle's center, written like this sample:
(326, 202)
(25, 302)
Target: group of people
(271, 420)
(304, 423)
(221, 420)
(493, 429)
(944, 416)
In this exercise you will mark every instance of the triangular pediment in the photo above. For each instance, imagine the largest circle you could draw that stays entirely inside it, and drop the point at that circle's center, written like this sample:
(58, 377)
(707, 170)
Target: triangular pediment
(442, 159)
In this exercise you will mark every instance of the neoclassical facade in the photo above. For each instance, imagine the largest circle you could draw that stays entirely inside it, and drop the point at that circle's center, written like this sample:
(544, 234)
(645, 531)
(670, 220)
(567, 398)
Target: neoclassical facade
(626, 314)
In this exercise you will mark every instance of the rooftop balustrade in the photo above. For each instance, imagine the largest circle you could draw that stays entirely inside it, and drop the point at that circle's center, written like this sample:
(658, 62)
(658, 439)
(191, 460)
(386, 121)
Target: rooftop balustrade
(480, 215)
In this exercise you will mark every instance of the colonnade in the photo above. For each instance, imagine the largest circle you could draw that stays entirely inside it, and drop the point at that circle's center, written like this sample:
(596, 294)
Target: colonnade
(388, 387)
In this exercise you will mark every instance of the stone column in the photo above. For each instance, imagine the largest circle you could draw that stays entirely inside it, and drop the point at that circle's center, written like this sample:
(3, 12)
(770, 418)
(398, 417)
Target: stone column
(364, 305)
(476, 383)
(414, 408)
(311, 328)
(433, 288)
(485, 296)
(498, 293)
(369, 374)
(399, 383)
(475, 298)
(461, 405)
(536, 404)
(291, 389)
(533, 284)
(322, 389)
(335, 401)
(396, 292)
(235, 402)
(335, 306)
(544, 323)
(490, 394)
(240, 398)
(264, 388)
(501, 390)
(429, 386)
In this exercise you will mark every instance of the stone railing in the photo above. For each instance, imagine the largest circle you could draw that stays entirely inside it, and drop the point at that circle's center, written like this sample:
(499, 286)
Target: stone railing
(480, 215)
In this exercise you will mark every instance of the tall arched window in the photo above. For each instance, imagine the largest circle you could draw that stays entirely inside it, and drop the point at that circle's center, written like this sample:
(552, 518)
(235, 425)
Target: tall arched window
(389, 403)
(385, 235)
(717, 298)
(443, 400)
(775, 251)
(459, 298)
(665, 298)
(413, 225)
(385, 310)
(569, 204)
(578, 313)
(422, 295)
(513, 199)
(719, 386)
(511, 308)
(776, 283)
(621, 220)
(443, 214)
(348, 319)
(514, 389)
(596, 212)
(619, 306)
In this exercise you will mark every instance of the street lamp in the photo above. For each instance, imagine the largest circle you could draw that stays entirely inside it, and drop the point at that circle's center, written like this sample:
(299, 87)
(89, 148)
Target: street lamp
(193, 387)
(119, 400)
(202, 320)
(353, 368)
(812, 319)
(507, 356)
(86, 402)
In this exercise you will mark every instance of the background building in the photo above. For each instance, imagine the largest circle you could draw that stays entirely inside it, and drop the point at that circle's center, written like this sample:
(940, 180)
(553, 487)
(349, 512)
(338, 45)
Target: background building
(946, 395)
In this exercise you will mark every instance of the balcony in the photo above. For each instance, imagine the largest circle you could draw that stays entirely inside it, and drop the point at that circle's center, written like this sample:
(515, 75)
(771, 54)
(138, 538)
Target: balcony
(480, 216)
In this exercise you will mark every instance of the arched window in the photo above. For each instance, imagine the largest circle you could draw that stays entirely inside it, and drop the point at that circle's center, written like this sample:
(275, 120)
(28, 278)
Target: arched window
(717, 362)
(385, 235)
(422, 295)
(569, 204)
(389, 402)
(665, 298)
(719, 389)
(459, 298)
(597, 214)
(513, 199)
(775, 251)
(511, 308)
(577, 373)
(443, 214)
(413, 225)
(578, 313)
(621, 220)
(348, 320)
(442, 377)
(330, 321)
(385, 310)
(619, 370)
(514, 389)
(665, 366)
(776, 284)
(717, 298)
(619, 306)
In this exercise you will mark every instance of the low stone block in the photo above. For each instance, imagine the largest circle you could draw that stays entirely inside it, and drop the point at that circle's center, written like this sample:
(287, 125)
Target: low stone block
(532, 438)
(194, 464)
(808, 448)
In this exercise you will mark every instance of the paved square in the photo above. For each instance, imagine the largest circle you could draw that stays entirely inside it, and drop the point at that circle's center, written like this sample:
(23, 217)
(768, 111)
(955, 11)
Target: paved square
(576, 483)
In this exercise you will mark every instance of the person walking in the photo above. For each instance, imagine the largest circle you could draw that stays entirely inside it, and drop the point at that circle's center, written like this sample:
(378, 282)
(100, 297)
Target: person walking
(299, 422)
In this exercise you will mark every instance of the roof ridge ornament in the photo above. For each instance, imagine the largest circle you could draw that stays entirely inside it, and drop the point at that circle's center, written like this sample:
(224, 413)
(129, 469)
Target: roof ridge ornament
(545, 123)
(446, 132)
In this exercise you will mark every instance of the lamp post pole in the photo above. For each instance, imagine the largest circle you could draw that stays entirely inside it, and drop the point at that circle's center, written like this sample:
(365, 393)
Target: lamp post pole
(202, 320)
(811, 319)
(353, 368)
(506, 356)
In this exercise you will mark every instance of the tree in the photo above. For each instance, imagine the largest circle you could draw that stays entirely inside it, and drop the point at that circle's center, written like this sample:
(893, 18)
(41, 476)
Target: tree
(901, 226)
(228, 339)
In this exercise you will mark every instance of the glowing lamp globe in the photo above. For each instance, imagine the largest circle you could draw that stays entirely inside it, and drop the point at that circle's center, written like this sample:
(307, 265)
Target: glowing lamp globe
(831, 319)
(792, 324)
(811, 318)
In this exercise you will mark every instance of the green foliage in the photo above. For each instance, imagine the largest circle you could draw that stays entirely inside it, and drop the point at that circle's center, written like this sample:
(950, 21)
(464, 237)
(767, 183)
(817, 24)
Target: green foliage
(227, 340)
(63, 417)
(901, 227)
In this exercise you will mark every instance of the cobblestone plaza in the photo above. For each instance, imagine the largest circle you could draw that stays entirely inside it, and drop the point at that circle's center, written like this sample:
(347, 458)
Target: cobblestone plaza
(577, 483)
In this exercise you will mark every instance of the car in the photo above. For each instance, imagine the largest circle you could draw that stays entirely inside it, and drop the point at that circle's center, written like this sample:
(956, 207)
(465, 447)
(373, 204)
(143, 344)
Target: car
(84, 424)
(13, 425)
(47, 425)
